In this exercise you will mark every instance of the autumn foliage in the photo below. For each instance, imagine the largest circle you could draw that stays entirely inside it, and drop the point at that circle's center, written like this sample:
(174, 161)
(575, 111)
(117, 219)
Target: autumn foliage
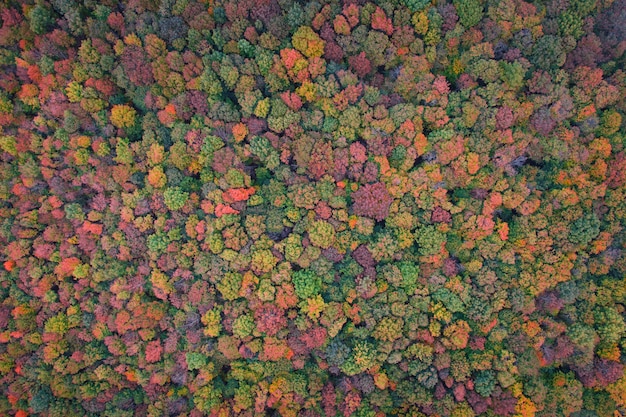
(313, 208)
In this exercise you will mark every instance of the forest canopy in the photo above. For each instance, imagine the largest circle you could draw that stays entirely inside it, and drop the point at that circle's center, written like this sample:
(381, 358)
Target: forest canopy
(313, 208)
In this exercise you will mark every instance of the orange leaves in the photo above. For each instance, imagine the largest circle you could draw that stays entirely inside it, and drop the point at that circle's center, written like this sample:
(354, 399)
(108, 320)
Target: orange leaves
(289, 57)
(156, 153)
(341, 25)
(529, 207)
(94, 228)
(66, 267)
(421, 144)
(156, 177)
(485, 223)
(601, 147)
(167, 118)
(9, 265)
(586, 112)
(503, 231)
(456, 335)
(274, 350)
(351, 12)
(450, 150)
(28, 92)
(473, 163)
(122, 322)
(222, 209)
(240, 131)
(237, 194)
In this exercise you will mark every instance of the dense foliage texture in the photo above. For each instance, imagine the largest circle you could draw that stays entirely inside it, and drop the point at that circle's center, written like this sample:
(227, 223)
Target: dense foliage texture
(321, 208)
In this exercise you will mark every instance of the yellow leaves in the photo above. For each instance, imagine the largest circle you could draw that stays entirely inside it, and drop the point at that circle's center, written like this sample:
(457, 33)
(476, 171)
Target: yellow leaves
(313, 306)
(160, 284)
(307, 91)
(435, 328)
(119, 47)
(512, 199)
(420, 22)
(381, 380)
(457, 66)
(308, 42)
(156, 153)
(278, 387)
(8, 144)
(212, 319)
(525, 407)
(473, 164)
(474, 266)
(74, 92)
(123, 116)
(601, 147)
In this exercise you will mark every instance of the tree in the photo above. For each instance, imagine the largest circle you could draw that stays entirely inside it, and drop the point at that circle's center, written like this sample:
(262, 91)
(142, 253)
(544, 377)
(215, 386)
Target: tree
(430, 240)
(306, 283)
(484, 383)
(548, 53)
(322, 234)
(175, 198)
(41, 19)
(470, 12)
(123, 116)
(585, 229)
(372, 200)
(308, 42)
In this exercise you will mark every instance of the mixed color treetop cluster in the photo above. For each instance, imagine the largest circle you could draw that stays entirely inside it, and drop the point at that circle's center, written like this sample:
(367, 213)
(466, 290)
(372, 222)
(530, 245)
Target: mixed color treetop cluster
(312, 208)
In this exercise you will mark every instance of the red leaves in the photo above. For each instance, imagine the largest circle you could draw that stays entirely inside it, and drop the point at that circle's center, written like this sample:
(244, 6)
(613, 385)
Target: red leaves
(270, 319)
(360, 64)
(440, 215)
(380, 21)
(321, 159)
(289, 57)
(274, 349)
(153, 351)
(372, 200)
(122, 322)
(237, 194)
(292, 100)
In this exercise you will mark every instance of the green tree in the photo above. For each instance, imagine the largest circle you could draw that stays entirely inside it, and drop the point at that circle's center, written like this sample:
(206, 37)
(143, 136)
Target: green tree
(175, 198)
(229, 285)
(322, 234)
(41, 19)
(585, 229)
(485, 382)
(469, 11)
(548, 53)
(306, 283)
(429, 240)
(195, 360)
